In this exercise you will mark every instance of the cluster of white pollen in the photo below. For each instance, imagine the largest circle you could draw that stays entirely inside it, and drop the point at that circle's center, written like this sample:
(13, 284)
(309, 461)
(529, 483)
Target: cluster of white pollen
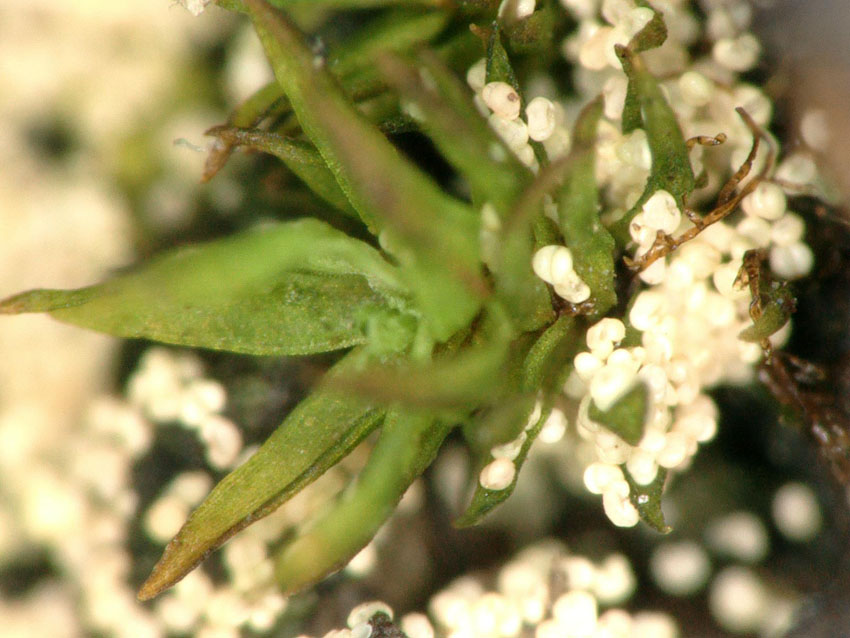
(544, 591)
(690, 309)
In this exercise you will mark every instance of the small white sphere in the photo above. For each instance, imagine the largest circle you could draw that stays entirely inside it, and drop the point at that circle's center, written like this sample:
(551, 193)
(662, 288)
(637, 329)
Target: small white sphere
(476, 76)
(798, 169)
(661, 212)
(554, 428)
(604, 335)
(364, 611)
(737, 54)
(587, 365)
(561, 266)
(788, 229)
(792, 261)
(541, 262)
(611, 383)
(572, 288)
(576, 610)
(514, 133)
(796, 512)
(814, 127)
(223, 440)
(497, 475)
(618, 508)
(541, 117)
(417, 625)
(738, 600)
(593, 52)
(648, 310)
(695, 88)
(502, 99)
(615, 581)
(680, 568)
(642, 466)
(653, 624)
(599, 476)
(675, 450)
(766, 201)
(509, 450)
(740, 535)
(756, 230)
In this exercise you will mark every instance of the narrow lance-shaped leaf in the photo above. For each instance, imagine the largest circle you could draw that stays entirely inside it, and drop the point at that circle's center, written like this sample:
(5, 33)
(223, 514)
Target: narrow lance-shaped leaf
(407, 445)
(315, 436)
(294, 288)
(434, 236)
(499, 69)
(627, 416)
(459, 381)
(494, 173)
(671, 167)
(543, 367)
(591, 244)
(398, 30)
(651, 36)
(647, 500)
(300, 157)
(778, 304)
(485, 500)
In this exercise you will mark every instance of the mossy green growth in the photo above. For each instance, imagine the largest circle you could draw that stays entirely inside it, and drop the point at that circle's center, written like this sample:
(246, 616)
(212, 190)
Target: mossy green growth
(438, 333)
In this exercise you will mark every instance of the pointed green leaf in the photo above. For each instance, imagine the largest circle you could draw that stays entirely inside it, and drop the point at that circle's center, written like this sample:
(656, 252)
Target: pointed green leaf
(647, 500)
(397, 30)
(434, 236)
(547, 362)
(494, 173)
(652, 35)
(591, 244)
(300, 157)
(671, 167)
(778, 306)
(485, 500)
(499, 68)
(626, 418)
(458, 382)
(407, 445)
(293, 288)
(315, 436)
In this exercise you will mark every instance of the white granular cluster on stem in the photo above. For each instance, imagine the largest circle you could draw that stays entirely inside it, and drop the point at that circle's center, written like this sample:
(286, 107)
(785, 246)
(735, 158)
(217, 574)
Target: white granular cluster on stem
(545, 119)
(545, 591)
(690, 309)
(554, 265)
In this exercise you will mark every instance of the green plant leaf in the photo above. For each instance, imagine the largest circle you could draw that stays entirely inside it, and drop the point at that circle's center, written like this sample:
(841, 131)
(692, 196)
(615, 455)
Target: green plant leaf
(626, 418)
(778, 306)
(647, 500)
(293, 288)
(397, 30)
(458, 382)
(547, 364)
(315, 436)
(407, 445)
(484, 500)
(591, 244)
(494, 173)
(671, 167)
(300, 157)
(433, 236)
(499, 68)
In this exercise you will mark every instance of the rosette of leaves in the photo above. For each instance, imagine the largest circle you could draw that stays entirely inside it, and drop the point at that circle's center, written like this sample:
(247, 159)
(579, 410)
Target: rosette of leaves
(439, 333)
